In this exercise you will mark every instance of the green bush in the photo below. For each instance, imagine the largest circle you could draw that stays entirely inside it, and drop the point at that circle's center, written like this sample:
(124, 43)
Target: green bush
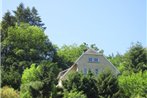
(38, 81)
(8, 92)
(105, 85)
(74, 94)
(134, 85)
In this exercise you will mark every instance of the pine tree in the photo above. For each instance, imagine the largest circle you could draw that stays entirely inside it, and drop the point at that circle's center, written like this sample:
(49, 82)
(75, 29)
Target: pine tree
(135, 58)
(107, 85)
(26, 15)
(7, 21)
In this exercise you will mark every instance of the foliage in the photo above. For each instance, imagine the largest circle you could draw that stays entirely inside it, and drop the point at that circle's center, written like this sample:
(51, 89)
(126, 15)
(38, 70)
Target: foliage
(7, 21)
(67, 55)
(8, 92)
(10, 76)
(23, 46)
(135, 58)
(38, 81)
(74, 94)
(116, 60)
(28, 15)
(26, 44)
(21, 14)
(31, 89)
(105, 85)
(134, 85)
(30, 74)
(78, 81)
(57, 92)
(23, 43)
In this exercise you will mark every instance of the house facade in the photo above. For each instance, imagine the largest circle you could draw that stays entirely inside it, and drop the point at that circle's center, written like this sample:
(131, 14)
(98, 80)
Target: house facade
(89, 60)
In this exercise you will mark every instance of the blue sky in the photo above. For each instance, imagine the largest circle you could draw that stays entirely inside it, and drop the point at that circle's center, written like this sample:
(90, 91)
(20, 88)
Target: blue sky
(110, 24)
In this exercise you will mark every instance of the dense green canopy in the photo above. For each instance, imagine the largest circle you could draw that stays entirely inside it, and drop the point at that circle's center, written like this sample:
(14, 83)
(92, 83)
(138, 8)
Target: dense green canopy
(30, 64)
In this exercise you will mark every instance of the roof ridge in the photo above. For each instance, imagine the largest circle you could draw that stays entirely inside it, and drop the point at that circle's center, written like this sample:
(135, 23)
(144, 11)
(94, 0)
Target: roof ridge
(91, 51)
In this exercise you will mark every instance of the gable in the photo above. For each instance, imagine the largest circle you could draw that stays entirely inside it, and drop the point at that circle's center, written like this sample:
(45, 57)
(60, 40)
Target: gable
(90, 60)
(95, 62)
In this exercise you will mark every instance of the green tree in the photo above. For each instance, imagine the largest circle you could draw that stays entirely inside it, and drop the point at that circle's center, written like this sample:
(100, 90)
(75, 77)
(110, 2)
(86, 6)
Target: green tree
(116, 60)
(74, 94)
(10, 77)
(7, 21)
(26, 44)
(23, 46)
(135, 58)
(21, 14)
(107, 85)
(134, 84)
(78, 81)
(69, 54)
(103, 86)
(28, 15)
(38, 81)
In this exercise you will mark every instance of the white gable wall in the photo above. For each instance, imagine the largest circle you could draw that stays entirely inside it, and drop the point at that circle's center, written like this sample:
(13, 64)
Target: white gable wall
(101, 65)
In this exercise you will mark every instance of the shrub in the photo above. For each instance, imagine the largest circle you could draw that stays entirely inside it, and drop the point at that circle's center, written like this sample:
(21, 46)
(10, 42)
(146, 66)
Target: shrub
(8, 92)
(134, 85)
(74, 94)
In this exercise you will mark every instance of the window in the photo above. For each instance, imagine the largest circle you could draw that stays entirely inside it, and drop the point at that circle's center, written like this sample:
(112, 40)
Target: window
(85, 70)
(96, 71)
(93, 60)
(96, 60)
(90, 59)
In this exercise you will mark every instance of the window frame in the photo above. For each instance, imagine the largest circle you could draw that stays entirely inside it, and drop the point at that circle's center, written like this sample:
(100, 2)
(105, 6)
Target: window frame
(93, 60)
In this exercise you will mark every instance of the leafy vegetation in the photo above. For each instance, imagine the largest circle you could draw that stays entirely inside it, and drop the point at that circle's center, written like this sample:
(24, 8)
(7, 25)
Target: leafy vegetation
(8, 92)
(30, 64)
(23, 46)
(39, 81)
(134, 84)
(105, 85)
(136, 58)
(74, 94)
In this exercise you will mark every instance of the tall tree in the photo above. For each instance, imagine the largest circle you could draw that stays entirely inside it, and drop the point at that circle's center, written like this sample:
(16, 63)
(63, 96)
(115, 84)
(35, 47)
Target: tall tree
(23, 46)
(103, 86)
(7, 21)
(38, 81)
(21, 14)
(26, 15)
(107, 85)
(135, 58)
(26, 44)
(78, 81)
(35, 19)
(134, 84)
